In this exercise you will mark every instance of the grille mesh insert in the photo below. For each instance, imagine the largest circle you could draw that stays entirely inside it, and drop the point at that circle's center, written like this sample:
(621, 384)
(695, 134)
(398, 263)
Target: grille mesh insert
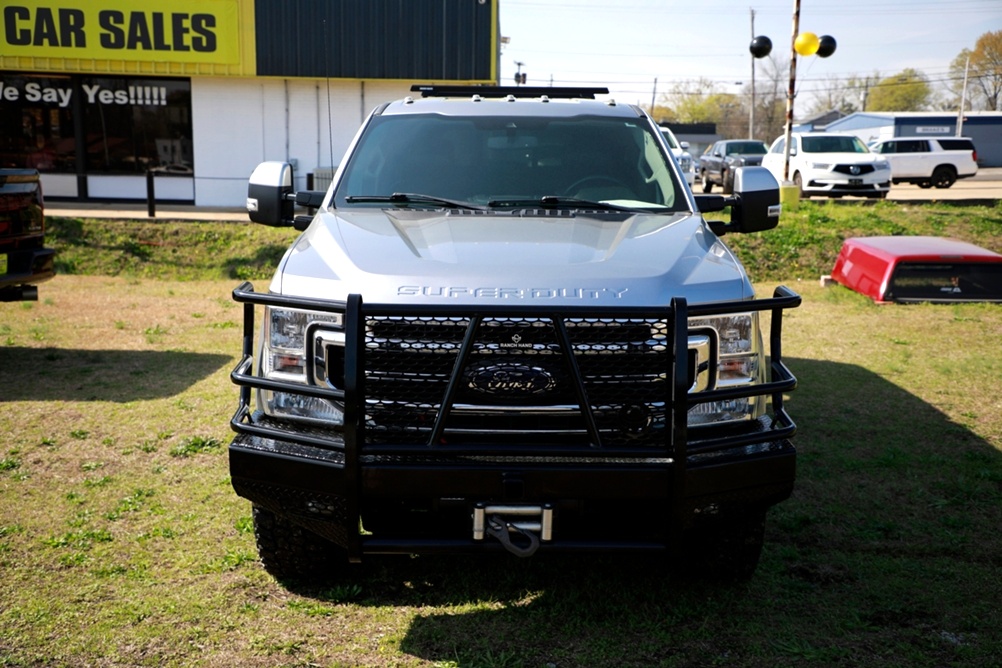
(516, 378)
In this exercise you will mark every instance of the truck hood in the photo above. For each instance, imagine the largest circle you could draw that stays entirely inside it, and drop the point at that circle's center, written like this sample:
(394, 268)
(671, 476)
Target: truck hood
(511, 258)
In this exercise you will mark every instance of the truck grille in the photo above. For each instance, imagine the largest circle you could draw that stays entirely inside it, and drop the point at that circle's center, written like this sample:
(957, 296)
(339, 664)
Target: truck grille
(516, 378)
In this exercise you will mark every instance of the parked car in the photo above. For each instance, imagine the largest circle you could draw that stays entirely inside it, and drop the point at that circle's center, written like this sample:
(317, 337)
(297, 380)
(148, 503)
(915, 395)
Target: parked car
(681, 152)
(827, 163)
(718, 163)
(928, 162)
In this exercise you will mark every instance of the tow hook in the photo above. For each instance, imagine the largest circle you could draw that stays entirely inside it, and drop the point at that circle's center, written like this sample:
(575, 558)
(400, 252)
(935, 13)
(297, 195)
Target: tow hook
(531, 523)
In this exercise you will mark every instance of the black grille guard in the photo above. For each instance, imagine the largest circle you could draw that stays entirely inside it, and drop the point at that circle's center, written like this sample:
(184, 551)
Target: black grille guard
(677, 447)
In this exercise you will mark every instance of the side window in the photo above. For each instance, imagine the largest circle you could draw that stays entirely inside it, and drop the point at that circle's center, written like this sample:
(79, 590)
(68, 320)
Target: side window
(956, 144)
(913, 146)
(889, 147)
(779, 146)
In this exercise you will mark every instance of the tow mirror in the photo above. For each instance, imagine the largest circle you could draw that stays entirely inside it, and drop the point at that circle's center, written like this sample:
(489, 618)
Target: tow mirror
(272, 200)
(270, 195)
(754, 206)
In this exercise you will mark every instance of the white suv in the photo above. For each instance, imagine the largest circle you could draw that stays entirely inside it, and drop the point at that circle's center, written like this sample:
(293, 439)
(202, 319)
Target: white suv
(823, 163)
(928, 162)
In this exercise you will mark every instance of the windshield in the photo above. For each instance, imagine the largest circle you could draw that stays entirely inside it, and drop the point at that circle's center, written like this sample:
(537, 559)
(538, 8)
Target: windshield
(834, 144)
(508, 161)
(746, 148)
(670, 138)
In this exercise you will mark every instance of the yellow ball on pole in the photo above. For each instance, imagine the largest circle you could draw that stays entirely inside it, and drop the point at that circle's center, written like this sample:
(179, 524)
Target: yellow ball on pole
(806, 44)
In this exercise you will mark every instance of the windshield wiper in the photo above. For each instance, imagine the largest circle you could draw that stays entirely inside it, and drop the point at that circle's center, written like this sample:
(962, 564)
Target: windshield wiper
(412, 198)
(558, 201)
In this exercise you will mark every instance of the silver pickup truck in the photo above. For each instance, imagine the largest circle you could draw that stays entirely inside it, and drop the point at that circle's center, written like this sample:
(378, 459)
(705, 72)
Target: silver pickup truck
(508, 326)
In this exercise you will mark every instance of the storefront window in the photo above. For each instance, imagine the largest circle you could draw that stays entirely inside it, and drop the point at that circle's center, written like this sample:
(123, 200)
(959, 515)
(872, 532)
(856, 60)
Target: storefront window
(36, 115)
(132, 125)
(126, 125)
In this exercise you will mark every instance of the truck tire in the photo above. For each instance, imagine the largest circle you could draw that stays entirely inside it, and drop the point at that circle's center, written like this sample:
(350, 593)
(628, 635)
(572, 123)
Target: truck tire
(729, 552)
(290, 552)
(943, 177)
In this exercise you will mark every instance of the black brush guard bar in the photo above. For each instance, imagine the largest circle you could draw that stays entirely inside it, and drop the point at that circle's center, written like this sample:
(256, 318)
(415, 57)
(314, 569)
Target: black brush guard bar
(675, 453)
(353, 397)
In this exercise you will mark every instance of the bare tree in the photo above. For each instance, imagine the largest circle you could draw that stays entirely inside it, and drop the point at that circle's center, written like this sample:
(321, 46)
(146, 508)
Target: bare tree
(770, 98)
(834, 93)
(984, 75)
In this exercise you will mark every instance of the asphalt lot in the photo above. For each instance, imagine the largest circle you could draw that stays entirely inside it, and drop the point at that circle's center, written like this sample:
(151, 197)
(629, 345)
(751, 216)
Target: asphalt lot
(985, 189)
(986, 185)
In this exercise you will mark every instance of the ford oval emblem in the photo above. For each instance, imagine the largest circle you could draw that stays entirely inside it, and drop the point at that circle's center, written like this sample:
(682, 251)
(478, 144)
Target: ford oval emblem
(510, 380)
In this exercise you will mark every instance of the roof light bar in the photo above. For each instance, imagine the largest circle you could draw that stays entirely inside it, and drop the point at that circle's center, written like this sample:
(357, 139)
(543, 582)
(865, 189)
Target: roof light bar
(431, 90)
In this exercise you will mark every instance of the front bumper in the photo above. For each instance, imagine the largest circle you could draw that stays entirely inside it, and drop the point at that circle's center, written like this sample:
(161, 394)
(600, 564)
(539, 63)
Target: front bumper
(25, 268)
(425, 504)
(835, 184)
(602, 493)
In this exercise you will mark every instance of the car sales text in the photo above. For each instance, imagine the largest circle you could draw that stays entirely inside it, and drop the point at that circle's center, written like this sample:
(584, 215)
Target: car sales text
(131, 31)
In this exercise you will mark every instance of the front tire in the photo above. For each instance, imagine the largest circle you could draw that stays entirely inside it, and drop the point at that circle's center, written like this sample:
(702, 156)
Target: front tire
(730, 551)
(290, 552)
(798, 181)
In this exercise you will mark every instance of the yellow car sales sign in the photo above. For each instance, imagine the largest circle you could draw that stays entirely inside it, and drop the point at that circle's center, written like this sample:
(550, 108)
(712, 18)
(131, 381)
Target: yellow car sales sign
(181, 31)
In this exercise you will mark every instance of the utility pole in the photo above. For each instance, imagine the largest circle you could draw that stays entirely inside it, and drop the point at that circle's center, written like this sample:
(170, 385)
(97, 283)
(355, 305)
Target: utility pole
(791, 91)
(751, 107)
(963, 100)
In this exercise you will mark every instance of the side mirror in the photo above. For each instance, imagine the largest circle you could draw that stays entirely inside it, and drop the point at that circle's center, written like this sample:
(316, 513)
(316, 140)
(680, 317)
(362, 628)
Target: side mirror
(271, 199)
(754, 206)
(270, 195)
(684, 145)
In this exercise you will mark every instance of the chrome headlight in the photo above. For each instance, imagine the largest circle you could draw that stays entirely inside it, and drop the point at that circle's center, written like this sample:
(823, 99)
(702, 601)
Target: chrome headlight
(301, 347)
(737, 343)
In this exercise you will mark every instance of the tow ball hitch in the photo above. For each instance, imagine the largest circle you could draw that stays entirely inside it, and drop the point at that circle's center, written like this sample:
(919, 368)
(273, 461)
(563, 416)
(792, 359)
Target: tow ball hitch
(518, 528)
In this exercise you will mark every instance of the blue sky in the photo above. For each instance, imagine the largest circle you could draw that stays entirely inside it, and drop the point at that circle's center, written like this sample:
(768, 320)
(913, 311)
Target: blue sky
(626, 44)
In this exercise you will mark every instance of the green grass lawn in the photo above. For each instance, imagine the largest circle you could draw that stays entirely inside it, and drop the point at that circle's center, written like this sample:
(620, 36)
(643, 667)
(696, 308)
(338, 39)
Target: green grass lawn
(123, 544)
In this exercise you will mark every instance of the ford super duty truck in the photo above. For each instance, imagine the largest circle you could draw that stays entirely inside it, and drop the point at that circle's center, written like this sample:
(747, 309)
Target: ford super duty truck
(24, 260)
(509, 325)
